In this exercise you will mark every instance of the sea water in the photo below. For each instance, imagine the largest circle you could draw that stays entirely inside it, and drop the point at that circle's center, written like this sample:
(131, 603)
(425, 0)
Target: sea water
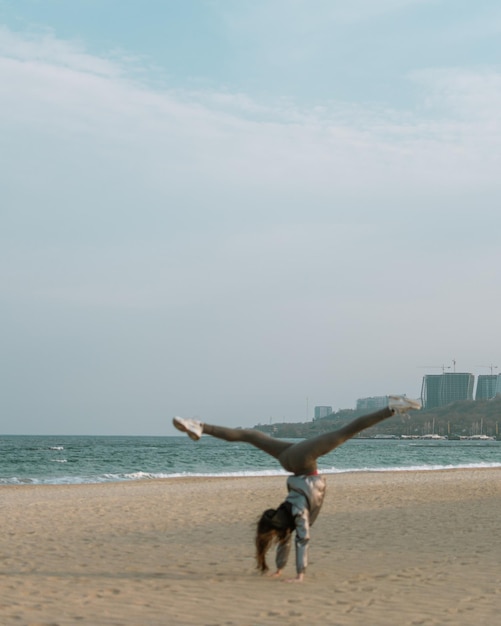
(72, 459)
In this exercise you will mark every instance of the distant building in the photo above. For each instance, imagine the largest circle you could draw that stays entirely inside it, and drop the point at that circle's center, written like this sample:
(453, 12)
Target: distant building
(430, 391)
(322, 411)
(372, 404)
(443, 389)
(456, 387)
(498, 385)
(486, 386)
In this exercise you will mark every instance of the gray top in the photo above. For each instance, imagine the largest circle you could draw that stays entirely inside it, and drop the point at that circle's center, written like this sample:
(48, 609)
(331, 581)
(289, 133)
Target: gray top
(306, 495)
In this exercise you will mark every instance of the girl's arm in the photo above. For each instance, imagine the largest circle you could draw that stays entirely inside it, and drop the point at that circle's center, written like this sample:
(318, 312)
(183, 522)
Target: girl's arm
(282, 554)
(302, 522)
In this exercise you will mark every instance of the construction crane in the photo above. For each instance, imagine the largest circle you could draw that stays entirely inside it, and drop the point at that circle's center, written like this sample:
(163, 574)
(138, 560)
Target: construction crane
(491, 367)
(433, 367)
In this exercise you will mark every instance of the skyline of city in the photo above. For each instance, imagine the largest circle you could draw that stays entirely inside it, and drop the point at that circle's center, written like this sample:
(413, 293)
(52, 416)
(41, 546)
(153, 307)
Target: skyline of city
(438, 390)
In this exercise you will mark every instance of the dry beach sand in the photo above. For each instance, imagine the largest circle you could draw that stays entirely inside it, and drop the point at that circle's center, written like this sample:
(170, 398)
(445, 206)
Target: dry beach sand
(403, 548)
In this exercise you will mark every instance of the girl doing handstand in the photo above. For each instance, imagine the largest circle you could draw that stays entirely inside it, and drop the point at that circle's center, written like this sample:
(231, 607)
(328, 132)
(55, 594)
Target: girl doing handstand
(306, 487)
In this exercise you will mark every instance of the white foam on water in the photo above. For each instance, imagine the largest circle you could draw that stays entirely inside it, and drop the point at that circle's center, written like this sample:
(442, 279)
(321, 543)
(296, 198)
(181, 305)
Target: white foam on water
(412, 468)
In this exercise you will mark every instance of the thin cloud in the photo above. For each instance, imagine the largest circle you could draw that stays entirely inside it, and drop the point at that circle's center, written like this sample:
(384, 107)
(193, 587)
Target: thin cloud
(168, 137)
(186, 235)
(44, 47)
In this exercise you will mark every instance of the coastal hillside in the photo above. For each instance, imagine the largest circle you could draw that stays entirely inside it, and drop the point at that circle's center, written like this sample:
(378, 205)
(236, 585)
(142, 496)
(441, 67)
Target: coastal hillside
(460, 419)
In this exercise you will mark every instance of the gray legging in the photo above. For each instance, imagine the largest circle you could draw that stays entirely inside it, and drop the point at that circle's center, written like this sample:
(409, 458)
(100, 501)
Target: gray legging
(298, 458)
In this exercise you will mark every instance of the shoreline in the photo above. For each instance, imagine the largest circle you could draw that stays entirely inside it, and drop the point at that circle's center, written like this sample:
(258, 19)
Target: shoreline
(279, 473)
(98, 461)
(388, 548)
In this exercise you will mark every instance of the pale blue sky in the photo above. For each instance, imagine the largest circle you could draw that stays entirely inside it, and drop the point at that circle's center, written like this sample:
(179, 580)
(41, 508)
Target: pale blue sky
(239, 209)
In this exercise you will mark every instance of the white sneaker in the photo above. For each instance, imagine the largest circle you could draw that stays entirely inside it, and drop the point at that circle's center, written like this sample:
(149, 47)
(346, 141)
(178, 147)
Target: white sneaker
(402, 404)
(193, 428)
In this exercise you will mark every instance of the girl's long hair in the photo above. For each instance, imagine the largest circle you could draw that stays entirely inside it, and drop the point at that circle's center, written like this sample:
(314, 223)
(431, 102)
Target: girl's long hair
(266, 536)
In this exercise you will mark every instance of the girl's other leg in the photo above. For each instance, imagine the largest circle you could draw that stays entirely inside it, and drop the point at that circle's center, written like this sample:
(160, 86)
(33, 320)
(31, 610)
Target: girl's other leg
(256, 438)
(301, 458)
(194, 429)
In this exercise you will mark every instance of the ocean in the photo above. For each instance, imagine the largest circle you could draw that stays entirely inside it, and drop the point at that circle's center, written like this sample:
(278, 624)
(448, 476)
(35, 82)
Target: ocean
(80, 459)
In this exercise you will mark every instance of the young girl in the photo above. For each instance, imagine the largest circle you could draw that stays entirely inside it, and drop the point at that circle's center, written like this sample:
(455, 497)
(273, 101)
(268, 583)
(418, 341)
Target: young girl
(306, 487)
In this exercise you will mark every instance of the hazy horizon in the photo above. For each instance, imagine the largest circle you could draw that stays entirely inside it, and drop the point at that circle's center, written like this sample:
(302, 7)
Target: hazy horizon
(238, 210)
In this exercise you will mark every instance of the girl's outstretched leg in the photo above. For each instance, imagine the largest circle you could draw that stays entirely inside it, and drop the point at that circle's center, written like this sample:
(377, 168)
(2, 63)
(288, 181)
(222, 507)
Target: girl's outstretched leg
(256, 438)
(195, 429)
(298, 458)
(301, 458)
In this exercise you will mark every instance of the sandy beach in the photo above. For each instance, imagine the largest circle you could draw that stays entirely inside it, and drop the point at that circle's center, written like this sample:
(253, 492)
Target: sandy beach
(402, 548)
